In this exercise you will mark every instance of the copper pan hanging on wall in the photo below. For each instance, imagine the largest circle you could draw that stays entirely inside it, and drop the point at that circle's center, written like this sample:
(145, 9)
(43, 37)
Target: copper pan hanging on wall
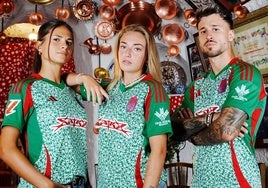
(41, 2)
(83, 9)
(139, 13)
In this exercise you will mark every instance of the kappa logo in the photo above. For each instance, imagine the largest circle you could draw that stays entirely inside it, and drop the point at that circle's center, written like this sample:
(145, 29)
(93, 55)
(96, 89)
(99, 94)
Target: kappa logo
(241, 92)
(162, 115)
(11, 107)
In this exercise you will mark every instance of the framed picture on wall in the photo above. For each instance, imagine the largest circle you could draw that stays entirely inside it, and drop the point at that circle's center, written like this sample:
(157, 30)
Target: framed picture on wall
(194, 58)
(203, 58)
(251, 36)
(199, 64)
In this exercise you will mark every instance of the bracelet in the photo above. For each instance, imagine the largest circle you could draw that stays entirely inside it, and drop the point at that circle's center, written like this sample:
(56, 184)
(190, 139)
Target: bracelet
(76, 78)
(209, 118)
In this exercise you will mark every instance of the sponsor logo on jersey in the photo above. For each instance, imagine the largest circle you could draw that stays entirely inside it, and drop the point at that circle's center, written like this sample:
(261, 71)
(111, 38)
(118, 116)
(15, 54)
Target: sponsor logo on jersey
(162, 115)
(241, 92)
(11, 107)
(69, 122)
(207, 110)
(120, 127)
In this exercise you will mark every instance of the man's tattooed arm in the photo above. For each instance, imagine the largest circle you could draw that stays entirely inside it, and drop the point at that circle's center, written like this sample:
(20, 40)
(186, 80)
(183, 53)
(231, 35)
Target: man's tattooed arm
(225, 127)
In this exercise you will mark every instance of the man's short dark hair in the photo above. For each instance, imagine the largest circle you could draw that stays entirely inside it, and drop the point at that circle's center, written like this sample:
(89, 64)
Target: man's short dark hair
(214, 9)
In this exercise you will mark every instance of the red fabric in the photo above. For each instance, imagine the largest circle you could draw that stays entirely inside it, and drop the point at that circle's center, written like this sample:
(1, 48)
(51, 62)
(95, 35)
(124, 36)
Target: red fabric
(139, 182)
(175, 102)
(16, 60)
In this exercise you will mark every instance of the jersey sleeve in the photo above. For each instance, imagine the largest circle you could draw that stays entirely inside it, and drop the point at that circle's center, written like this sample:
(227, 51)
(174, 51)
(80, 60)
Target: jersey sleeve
(157, 111)
(19, 106)
(246, 90)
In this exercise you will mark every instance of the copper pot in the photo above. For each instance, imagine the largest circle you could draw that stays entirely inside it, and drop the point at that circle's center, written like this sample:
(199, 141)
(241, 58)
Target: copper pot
(240, 11)
(7, 6)
(140, 12)
(111, 2)
(107, 12)
(62, 13)
(105, 48)
(173, 34)
(173, 50)
(190, 16)
(36, 18)
(92, 48)
(166, 9)
(41, 2)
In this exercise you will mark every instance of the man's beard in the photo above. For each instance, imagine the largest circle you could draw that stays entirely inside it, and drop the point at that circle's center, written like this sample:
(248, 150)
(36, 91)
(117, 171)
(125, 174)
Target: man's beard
(210, 53)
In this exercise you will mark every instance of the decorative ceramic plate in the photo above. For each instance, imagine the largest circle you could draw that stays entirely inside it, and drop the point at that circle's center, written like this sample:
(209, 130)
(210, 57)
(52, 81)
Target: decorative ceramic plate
(104, 29)
(174, 77)
(83, 9)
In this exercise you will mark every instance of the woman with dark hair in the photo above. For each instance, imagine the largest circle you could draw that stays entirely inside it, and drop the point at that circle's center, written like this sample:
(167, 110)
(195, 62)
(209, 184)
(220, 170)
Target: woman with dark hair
(48, 116)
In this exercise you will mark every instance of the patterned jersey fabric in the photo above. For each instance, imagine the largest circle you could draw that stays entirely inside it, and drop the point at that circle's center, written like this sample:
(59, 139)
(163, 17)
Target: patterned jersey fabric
(53, 124)
(126, 121)
(233, 164)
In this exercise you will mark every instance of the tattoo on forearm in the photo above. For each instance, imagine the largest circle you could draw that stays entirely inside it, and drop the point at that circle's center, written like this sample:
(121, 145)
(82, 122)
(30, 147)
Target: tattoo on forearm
(227, 125)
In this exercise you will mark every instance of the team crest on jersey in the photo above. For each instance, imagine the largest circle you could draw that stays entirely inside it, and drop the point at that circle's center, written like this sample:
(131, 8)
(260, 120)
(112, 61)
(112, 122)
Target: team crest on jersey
(131, 105)
(241, 92)
(162, 115)
(120, 127)
(11, 107)
(222, 86)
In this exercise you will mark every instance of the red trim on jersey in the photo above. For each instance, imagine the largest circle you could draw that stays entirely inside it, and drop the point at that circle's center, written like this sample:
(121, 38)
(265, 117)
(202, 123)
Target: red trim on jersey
(246, 71)
(147, 104)
(48, 165)
(238, 173)
(234, 60)
(255, 117)
(263, 91)
(138, 176)
(28, 100)
(159, 91)
(192, 94)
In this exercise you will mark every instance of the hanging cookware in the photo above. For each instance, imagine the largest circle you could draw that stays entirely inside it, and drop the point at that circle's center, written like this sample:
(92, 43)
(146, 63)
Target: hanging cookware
(190, 17)
(166, 9)
(240, 11)
(173, 34)
(105, 48)
(83, 9)
(41, 2)
(107, 12)
(104, 29)
(112, 2)
(140, 12)
(101, 72)
(173, 50)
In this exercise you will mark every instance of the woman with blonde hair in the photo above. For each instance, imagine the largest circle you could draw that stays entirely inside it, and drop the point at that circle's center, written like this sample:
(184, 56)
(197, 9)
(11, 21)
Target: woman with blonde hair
(134, 124)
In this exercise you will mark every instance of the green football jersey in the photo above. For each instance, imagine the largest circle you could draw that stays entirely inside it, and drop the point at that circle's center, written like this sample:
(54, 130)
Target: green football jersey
(53, 122)
(233, 164)
(127, 120)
